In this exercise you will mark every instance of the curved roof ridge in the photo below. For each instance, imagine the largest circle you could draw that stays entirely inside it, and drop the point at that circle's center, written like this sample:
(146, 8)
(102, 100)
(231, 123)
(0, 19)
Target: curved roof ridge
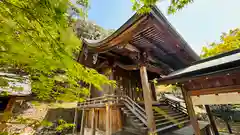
(127, 24)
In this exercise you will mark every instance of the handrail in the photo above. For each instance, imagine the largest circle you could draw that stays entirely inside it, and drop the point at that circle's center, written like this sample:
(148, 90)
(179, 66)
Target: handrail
(136, 109)
(135, 103)
(176, 104)
(98, 100)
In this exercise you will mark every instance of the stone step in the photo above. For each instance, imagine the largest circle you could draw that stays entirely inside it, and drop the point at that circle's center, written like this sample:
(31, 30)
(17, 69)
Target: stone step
(166, 123)
(164, 109)
(167, 113)
(169, 117)
(171, 126)
(135, 119)
(140, 131)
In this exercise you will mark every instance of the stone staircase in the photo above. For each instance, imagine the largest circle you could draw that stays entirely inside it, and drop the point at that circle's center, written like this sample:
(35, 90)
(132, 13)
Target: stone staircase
(132, 123)
(167, 118)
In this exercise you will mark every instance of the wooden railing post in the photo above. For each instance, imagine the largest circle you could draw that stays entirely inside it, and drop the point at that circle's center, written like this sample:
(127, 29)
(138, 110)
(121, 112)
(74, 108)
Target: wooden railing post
(93, 125)
(137, 110)
(211, 119)
(120, 121)
(82, 123)
(75, 120)
(110, 119)
(107, 119)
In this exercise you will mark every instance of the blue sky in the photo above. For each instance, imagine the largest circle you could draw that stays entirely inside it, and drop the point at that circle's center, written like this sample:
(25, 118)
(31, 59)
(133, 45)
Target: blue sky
(199, 23)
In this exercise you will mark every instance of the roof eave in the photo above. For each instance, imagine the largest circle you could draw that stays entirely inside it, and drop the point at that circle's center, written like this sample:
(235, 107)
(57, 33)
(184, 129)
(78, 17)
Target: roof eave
(159, 16)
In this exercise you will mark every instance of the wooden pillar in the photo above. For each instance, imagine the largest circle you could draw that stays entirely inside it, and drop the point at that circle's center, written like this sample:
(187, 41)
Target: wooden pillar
(119, 116)
(111, 77)
(130, 88)
(153, 91)
(93, 125)
(75, 120)
(147, 94)
(191, 112)
(107, 119)
(228, 126)
(211, 119)
(110, 119)
(97, 119)
(82, 123)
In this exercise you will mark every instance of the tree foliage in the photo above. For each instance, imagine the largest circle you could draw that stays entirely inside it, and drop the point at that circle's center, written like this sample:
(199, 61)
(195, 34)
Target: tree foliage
(37, 40)
(144, 6)
(228, 41)
(90, 30)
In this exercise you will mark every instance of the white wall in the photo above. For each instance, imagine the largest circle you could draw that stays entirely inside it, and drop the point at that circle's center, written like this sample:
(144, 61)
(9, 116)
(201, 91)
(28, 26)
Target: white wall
(223, 98)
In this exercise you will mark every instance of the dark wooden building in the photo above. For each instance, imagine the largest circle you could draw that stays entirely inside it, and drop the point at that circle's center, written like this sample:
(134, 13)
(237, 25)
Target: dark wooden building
(144, 48)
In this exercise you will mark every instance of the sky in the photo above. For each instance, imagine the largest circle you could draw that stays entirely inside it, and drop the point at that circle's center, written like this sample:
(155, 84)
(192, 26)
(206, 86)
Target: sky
(200, 23)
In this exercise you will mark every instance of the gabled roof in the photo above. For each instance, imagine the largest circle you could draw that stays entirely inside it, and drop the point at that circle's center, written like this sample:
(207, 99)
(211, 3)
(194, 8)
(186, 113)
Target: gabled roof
(220, 63)
(17, 85)
(151, 33)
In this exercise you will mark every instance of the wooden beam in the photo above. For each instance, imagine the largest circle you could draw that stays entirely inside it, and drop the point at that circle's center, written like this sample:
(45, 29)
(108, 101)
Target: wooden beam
(126, 67)
(93, 125)
(183, 79)
(211, 119)
(216, 90)
(154, 69)
(124, 36)
(191, 112)
(82, 123)
(131, 48)
(150, 67)
(147, 99)
(104, 63)
(110, 53)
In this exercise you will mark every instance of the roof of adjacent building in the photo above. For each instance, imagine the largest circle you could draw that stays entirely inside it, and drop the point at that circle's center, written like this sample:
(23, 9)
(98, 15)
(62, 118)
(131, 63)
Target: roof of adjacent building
(150, 33)
(216, 64)
(14, 82)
